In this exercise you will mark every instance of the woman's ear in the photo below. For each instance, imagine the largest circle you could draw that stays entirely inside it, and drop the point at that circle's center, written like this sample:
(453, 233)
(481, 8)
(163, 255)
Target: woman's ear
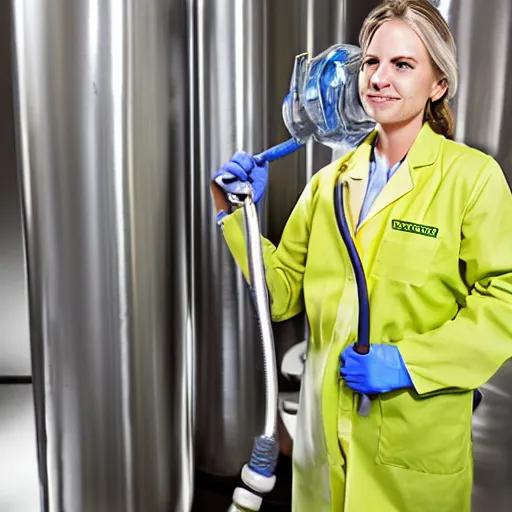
(439, 89)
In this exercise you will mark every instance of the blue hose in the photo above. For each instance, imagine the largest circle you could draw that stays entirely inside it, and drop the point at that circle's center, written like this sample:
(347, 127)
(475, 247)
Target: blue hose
(362, 345)
(279, 151)
(363, 331)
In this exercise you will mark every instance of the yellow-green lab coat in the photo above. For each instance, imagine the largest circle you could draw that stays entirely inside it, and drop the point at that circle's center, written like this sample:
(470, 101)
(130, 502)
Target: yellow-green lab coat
(437, 252)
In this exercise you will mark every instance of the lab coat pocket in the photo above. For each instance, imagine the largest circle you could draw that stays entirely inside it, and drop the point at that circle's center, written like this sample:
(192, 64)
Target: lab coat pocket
(405, 257)
(430, 435)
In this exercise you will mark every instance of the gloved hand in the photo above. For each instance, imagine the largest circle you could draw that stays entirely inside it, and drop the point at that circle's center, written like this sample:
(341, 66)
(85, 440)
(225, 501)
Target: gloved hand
(380, 371)
(244, 168)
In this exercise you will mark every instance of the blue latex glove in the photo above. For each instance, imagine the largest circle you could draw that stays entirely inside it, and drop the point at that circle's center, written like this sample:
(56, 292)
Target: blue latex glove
(380, 371)
(244, 168)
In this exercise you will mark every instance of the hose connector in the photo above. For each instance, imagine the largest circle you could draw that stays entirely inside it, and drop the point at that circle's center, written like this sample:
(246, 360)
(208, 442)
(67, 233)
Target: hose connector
(265, 452)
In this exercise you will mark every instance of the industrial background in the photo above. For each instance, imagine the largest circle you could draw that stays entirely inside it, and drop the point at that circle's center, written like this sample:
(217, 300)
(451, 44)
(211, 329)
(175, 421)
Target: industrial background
(141, 354)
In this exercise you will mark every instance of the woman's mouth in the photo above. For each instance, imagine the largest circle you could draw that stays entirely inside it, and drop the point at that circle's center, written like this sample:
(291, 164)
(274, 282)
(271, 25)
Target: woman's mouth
(381, 99)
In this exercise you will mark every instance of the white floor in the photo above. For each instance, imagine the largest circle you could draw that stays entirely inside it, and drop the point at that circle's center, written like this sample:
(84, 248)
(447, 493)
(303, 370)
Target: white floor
(19, 487)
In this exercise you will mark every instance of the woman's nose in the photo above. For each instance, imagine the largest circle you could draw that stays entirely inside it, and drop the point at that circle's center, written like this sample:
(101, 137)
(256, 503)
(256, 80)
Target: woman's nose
(380, 78)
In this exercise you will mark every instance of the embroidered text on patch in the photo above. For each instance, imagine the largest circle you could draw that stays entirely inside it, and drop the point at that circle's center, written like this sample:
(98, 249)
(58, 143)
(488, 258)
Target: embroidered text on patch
(411, 227)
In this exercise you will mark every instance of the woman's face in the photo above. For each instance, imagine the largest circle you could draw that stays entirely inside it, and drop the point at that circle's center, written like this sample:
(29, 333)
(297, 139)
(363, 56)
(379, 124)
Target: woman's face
(397, 77)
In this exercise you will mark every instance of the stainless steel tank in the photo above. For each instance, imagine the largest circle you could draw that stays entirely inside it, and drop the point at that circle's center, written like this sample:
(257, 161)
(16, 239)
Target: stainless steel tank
(483, 108)
(102, 131)
(230, 114)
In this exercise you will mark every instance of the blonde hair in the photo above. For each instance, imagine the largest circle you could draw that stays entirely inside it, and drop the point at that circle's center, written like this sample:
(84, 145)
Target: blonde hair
(433, 30)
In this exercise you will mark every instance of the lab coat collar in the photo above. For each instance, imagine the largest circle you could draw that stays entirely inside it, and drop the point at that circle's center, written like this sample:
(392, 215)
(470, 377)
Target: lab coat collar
(358, 163)
(426, 148)
(424, 152)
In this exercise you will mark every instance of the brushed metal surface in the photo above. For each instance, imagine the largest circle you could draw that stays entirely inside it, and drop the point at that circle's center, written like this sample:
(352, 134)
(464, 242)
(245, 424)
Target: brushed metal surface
(230, 114)
(14, 331)
(483, 107)
(102, 129)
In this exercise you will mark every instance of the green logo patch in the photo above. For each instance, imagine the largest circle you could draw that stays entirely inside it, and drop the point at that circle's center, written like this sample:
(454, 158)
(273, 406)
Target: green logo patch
(411, 227)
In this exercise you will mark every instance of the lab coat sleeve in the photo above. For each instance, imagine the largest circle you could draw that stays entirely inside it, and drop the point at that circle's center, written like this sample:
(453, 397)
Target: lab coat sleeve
(465, 352)
(285, 264)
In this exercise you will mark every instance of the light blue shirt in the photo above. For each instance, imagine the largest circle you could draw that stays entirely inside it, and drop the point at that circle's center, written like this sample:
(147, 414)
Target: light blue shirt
(378, 176)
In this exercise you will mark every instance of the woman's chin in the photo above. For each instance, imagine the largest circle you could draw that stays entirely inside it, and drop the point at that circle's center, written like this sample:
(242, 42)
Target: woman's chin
(384, 117)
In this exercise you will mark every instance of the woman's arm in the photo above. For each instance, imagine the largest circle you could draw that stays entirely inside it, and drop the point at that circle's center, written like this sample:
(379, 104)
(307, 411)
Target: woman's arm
(466, 352)
(285, 264)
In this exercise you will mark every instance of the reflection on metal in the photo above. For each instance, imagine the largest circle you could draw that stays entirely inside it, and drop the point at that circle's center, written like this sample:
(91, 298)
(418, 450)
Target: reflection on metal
(101, 98)
(14, 335)
(444, 7)
(483, 34)
(230, 398)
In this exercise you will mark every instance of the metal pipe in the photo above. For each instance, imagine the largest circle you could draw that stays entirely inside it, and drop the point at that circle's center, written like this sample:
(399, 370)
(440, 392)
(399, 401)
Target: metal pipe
(230, 114)
(260, 297)
(258, 474)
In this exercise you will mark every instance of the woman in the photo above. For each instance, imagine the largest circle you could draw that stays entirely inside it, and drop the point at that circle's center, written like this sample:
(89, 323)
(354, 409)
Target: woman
(429, 218)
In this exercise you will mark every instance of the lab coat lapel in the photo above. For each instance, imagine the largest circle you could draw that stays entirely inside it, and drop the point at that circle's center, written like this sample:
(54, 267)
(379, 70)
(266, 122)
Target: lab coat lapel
(356, 190)
(423, 153)
(399, 185)
(356, 179)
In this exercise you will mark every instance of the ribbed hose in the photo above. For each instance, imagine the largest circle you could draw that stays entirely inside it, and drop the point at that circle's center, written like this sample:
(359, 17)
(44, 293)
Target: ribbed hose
(258, 474)
(261, 303)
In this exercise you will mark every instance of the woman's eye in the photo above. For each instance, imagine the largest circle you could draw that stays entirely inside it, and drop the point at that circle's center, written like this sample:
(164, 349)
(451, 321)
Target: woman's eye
(370, 62)
(403, 65)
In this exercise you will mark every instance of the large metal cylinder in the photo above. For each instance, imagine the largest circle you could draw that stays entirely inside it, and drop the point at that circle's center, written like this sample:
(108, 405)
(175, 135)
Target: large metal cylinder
(230, 116)
(101, 93)
(483, 35)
